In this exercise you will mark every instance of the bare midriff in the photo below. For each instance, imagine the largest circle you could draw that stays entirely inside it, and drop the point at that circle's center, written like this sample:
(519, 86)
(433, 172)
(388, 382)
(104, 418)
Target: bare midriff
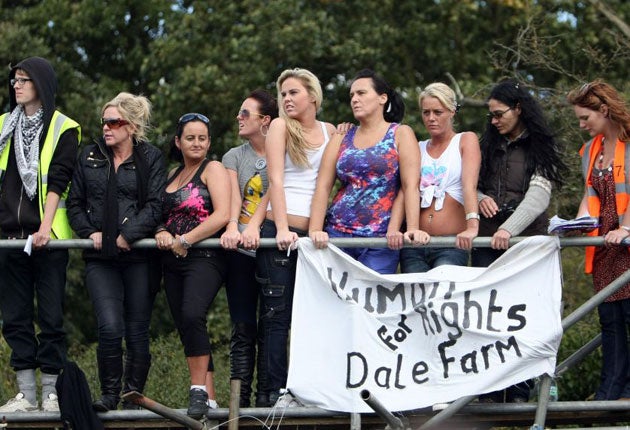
(448, 221)
(295, 221)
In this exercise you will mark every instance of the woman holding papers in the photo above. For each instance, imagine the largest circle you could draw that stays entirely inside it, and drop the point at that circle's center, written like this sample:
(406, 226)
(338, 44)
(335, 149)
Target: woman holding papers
(605, 116)
(520, 161)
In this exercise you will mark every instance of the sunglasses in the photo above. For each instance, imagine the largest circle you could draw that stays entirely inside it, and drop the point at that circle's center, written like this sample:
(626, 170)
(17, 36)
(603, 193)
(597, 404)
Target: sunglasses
(498, 114)
(113, 123)
(590, 88)
(193, 116)
(245, 114)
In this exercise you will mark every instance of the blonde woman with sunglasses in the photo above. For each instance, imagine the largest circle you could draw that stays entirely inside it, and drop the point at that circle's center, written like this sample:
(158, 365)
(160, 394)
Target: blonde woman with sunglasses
(115, 200)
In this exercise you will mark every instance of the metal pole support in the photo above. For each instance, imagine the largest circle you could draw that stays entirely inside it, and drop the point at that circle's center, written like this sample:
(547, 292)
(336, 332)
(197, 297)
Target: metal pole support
(235, 398)
(138, 399)
(393, 422)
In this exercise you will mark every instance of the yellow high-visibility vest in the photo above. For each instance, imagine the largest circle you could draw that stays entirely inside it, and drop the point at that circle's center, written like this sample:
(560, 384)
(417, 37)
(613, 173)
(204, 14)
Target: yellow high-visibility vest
(58, 125)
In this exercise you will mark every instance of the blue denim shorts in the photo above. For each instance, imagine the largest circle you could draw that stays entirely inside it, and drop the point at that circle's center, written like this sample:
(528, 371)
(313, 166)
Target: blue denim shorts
(381, 260)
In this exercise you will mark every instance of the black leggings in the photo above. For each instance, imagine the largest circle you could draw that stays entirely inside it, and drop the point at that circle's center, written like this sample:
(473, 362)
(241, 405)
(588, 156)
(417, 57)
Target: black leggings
(191, 284)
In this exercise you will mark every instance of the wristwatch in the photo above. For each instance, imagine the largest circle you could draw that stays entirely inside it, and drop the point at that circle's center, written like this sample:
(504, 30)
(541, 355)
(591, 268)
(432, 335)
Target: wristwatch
(472, 215)
(184, 242)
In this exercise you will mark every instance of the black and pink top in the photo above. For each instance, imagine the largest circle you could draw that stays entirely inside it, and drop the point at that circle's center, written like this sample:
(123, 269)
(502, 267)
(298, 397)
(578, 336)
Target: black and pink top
(188, 206)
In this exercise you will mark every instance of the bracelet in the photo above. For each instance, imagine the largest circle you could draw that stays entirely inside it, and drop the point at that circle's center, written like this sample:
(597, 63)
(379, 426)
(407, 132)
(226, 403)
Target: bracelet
(625, 227)
(235, 220)
(184, 242)
(472, 215)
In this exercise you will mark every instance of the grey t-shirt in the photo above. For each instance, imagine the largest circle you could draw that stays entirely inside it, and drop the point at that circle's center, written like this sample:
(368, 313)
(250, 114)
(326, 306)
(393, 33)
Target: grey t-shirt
(251, 170)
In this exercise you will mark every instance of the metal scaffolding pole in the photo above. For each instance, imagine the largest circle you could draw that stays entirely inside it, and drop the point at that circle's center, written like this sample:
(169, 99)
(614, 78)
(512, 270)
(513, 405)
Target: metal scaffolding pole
(345, 242)
(445, 414)
(394, 423)
(579, 355)
(596, 300)
(436, 242)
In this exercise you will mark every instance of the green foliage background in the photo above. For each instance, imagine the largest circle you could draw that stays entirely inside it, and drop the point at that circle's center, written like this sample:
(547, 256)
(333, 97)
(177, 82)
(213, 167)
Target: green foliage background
(207, 55)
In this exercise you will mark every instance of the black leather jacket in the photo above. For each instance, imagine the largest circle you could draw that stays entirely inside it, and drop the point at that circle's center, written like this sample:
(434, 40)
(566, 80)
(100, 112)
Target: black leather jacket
(88, 191)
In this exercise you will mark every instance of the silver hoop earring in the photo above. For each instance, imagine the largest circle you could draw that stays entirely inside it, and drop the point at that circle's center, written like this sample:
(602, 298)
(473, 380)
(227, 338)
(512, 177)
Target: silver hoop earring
(262, 128)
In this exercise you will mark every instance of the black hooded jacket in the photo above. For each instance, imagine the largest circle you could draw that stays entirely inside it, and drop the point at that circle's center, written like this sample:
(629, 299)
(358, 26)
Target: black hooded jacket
(19, 216)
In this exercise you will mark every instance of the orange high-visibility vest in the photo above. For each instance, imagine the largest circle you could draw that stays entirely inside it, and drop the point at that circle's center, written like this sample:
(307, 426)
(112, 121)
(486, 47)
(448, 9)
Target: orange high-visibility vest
(589, 152)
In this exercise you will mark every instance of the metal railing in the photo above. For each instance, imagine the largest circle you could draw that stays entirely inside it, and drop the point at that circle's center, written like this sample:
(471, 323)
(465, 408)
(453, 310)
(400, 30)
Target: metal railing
(436, 242)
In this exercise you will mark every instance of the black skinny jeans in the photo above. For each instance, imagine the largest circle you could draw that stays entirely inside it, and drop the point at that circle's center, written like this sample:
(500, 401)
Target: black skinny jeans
(122, 300)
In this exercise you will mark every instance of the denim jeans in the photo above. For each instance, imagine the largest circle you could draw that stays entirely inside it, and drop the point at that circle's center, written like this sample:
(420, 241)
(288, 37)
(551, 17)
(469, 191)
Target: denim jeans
(122, 300)
(24, 278)
(241, 287)
(483, 257)
(276, 274)
(614, 318)
(418, 260)
(381, 260)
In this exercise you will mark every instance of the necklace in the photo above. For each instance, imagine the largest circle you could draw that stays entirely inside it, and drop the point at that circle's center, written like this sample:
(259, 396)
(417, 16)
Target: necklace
(600, 161)
(183, 179)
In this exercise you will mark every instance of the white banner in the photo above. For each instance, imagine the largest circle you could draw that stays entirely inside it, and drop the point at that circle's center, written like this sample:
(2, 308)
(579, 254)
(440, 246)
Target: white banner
(417, 339)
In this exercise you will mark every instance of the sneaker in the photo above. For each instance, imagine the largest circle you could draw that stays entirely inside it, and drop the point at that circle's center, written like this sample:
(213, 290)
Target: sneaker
(287, 400)
(51, 404)
(212, 404)
(18, 404)
(197, 403)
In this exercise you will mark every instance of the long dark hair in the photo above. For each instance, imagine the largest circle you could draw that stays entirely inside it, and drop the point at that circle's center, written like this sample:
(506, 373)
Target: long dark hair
(394, 109)
(543, 155)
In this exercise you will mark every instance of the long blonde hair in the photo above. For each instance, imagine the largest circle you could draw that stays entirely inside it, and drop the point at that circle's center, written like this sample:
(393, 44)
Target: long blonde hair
(296, 142)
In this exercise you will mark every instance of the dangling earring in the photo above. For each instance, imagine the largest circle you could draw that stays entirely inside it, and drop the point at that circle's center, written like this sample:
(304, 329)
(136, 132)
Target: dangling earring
(264, 133)
(389, 107)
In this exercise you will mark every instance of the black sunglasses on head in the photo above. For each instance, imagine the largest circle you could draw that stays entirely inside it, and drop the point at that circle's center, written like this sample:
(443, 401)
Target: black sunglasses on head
(192, 117)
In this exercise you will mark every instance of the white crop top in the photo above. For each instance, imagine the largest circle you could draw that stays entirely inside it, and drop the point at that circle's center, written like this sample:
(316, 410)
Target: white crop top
(439, 176)
(299, 182)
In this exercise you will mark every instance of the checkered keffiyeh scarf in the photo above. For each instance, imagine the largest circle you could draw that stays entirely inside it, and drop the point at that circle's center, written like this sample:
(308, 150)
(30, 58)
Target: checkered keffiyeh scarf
(26, 131)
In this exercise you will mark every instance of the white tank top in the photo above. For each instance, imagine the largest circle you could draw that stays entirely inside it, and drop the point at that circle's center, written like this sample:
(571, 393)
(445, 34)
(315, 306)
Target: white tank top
(299, 182)
(439, 176)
